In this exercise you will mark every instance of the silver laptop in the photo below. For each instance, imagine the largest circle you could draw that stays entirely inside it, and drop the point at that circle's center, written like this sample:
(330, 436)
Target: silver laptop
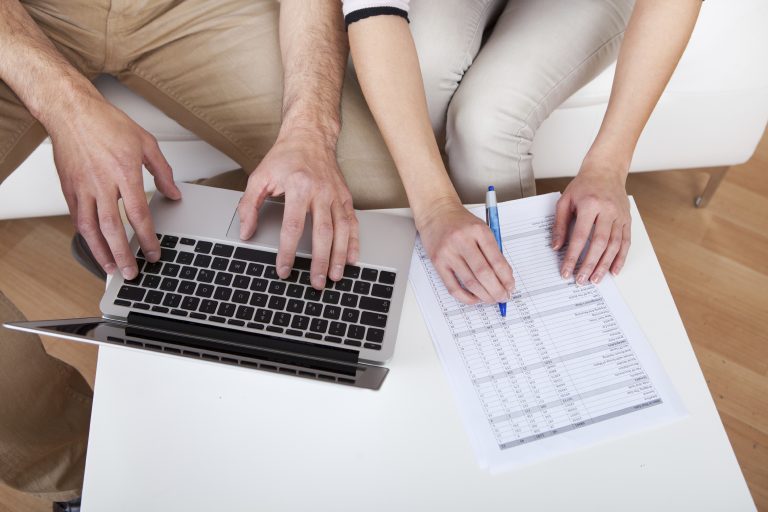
(213, 296)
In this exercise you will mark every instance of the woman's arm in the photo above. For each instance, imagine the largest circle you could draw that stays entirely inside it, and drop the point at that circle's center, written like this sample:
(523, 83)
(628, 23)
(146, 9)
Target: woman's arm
(656, 36)
(459, 244)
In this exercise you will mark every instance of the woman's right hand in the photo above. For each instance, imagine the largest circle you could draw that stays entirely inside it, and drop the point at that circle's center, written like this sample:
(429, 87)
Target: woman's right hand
(465, 254)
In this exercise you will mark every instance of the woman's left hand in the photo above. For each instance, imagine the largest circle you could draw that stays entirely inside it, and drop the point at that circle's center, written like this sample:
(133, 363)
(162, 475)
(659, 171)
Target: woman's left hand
(596, 197)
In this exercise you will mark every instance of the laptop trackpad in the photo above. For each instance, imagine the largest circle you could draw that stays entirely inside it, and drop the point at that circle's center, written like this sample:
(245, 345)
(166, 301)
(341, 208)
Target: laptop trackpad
(268, 228)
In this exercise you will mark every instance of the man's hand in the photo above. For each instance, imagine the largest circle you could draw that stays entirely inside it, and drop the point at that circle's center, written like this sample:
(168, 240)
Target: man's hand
(465, 254)
(596, 197)
(306, 171)
(99, 154)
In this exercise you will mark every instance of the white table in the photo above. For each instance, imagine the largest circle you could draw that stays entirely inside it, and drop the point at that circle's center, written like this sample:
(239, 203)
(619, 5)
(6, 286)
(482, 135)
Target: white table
(172, 434)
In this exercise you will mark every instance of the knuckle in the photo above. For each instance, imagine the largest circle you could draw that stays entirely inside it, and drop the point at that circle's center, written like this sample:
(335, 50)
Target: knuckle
(86, 226)
(324, 228)
(293, 225)
(470, 282)
(600, 240)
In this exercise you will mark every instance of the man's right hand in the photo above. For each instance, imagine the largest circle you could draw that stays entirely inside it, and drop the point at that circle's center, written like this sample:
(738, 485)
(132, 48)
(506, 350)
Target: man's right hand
(99, 154)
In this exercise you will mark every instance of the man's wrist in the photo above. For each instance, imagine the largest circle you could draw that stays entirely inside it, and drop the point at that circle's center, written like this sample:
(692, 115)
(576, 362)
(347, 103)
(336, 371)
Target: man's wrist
(316, 124)
(73, 94)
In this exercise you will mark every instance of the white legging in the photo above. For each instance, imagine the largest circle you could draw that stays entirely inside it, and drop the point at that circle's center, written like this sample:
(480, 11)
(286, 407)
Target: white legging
(487, 98)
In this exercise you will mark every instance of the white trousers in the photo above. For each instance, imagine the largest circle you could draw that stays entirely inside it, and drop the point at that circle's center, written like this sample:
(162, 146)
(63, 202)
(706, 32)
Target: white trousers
(495, 69)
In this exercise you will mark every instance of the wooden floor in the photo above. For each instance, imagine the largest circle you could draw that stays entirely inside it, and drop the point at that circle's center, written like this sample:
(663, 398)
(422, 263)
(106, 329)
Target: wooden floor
(715, 260)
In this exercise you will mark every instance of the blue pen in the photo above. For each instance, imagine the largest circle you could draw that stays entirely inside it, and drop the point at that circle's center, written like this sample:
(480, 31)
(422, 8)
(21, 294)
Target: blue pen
(492, 219)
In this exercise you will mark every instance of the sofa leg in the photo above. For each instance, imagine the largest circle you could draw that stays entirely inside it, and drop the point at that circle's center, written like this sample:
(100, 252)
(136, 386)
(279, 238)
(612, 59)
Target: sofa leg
(716, 175)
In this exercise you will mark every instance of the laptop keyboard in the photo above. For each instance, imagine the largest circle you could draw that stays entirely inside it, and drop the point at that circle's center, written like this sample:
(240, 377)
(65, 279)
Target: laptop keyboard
(239, 287)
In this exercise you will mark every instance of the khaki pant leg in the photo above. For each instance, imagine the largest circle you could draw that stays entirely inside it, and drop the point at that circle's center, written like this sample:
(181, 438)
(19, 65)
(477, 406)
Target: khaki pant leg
(45, 404)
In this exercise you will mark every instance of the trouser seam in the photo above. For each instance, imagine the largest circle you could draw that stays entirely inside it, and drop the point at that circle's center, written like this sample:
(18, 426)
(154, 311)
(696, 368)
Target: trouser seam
(155, 82)
(15, 138)
(549, 93)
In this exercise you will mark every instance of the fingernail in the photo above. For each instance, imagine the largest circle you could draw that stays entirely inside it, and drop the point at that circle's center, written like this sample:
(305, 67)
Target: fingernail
(596, 279)
(153, 256)
(109, 268)
(128, 273)
(555, 243)
(336, 272)
(283, 271)
(615, 272)
(566, 274)
(581, 279)
(320, 280)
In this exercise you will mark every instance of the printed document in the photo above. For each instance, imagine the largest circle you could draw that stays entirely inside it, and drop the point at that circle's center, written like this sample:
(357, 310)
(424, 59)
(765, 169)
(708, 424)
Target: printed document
(567, 368)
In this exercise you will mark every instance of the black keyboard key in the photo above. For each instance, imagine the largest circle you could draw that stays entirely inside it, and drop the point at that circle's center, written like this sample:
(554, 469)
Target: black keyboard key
(208, 306)
(382, 290)
(238, 323)
(255, 255)
(202, 261)
(354, 343)
(204, 290)
(349, 300)
(387, 277)
(254, 325)
(295, 290)
(140, 264)
(154, 297)
(167, 254)
(245, 313)
(277, 287)
(222, 293)
(219, 319)
(300, 322)
(237, 266)
(159, 309)
(179, 312)
(293, 332)
(331, 297)
(170, 270)
(312, 294)
(241, 282)
(254, 269)
(361, 287)
(281, 319)
(220, 263)
(223, 250)
(332, 312)
(304, 278)
(258, 284)
(188, 272)
(292, 277)
(337, 329)
(352, 271)
(333, 339)
(172, 300)
(356, 331)
(259, 299)
(153, 268)
(223, 279)
(313, 308)
(343, 285)
(373, 319)
(270, 272)
(187, 287)
(187, 241)
(133, 282)
(121, 302)
(140, 305)
(190, 303)
(370, 274)
(198, 316)
(301, 263)
(277, 302)
(169, 241)
(206, 276)
(272, 328)
(295, 305)
(241, 296)
(313, 336)
(203, 247)
(371, 304)
(372, 346)
(262, 316)
(318, 325)
(374, 335)
(226, 309)
(350, 315)
(169, 284)
(151, 281)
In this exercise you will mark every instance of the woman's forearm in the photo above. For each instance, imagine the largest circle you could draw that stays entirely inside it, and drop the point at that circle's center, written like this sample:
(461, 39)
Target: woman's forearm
(654, 41)
(388, 70)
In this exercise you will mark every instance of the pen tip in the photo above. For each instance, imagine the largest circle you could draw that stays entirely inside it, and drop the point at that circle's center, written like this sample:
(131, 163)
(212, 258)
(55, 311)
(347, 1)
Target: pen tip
(503, 309)
(490, 188)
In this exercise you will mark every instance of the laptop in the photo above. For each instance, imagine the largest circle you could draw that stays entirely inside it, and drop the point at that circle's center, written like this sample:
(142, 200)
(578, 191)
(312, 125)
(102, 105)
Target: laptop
(214, 297)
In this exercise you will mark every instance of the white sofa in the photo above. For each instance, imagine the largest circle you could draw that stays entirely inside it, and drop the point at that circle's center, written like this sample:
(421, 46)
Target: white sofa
(712, 115)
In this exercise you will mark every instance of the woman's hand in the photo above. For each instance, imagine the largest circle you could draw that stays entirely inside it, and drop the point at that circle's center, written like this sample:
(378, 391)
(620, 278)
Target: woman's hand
(596, 197)
(464, 252)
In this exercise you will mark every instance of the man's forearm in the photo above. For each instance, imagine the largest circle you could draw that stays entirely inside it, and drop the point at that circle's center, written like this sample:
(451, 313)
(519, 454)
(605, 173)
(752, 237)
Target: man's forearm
(47, 84)
(655, 39)
(314, 51)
